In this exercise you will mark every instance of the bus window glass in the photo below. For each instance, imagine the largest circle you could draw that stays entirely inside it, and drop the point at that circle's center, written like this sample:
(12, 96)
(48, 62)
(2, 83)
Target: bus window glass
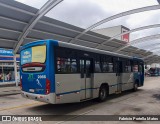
(60, 64)
(88, 68)
(140, 68)
(33, 54)
(127, 66)
(97, 66)
(66, 65)
(110, 66)
(82, 68)
(73, 65)
(135, 68)
(105, 67)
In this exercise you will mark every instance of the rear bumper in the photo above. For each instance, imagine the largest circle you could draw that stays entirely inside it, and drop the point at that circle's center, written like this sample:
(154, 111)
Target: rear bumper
(50, 98)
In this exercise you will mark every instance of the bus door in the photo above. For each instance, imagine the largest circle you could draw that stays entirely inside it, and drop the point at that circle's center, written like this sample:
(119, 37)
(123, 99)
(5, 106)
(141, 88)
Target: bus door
(119, 67)
(86, 78)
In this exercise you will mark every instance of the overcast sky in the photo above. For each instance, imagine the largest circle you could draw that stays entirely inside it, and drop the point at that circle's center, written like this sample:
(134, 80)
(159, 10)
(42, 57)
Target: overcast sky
(84, 13)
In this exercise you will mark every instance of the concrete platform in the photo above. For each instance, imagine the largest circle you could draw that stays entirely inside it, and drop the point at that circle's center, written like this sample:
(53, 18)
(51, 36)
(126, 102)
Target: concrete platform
(146, 101)
(7, 84)
(9, 90)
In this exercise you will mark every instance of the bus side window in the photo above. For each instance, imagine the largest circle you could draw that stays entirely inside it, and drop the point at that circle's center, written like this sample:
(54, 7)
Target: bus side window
(127, 66)
(106, 64)
(135, 68)
(66, 65)
(105, 67)
(110, 67)
(88, 68)
(82, 68)
(60, 64)
(73, 65)
(97, 66)
(140, 68)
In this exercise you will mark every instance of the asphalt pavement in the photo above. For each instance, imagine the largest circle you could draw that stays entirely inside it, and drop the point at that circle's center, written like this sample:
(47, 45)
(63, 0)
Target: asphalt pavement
(9, 90)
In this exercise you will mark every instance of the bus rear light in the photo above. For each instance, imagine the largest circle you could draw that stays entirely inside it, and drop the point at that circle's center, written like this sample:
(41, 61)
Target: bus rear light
(47, 91)
(48, 86)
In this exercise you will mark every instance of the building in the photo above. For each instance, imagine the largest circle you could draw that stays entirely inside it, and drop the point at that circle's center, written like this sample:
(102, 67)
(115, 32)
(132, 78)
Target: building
(7, 66)
(112, 31)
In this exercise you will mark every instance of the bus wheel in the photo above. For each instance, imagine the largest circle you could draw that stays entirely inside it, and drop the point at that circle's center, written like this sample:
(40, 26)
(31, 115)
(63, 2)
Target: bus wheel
(102, 94)
(135, 88)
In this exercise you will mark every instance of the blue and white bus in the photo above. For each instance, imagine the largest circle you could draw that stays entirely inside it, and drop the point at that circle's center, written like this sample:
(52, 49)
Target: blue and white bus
(58, 72)
(154, 71)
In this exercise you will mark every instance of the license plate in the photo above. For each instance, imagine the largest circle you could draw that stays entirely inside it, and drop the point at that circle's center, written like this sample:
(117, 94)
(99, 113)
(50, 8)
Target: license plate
(31, 90)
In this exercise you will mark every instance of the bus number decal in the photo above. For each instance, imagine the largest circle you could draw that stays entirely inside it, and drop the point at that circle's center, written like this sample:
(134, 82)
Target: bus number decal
(41, 76)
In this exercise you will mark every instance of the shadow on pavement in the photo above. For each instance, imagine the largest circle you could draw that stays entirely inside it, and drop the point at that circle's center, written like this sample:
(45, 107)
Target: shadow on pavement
(63, 109)
(157, 96)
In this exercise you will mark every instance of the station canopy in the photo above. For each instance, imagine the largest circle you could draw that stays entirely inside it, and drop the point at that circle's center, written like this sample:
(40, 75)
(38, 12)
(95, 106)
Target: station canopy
(14, 17)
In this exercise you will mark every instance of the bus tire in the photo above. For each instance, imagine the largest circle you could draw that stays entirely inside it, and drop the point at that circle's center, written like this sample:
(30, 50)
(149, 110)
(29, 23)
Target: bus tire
(102, 93)
(135, 88)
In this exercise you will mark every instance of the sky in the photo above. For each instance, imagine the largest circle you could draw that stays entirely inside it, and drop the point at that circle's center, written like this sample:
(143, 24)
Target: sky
(84, 13)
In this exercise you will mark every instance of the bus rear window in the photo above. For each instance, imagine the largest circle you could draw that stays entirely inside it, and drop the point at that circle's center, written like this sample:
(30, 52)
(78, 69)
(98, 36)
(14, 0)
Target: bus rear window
(33, 54)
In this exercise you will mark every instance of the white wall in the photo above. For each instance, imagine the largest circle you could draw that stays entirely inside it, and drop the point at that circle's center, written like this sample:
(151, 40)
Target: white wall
(112, 31)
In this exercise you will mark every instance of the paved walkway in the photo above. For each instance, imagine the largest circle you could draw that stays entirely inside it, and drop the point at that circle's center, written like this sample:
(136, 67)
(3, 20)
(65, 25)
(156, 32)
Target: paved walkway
(12, 90)
(146, 101)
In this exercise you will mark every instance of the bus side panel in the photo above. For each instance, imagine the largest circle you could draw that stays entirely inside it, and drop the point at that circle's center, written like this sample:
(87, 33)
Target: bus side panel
(68, 88)
(50, 65)
(35, 82)
(137, 77)
(127, 81)
(109, 78)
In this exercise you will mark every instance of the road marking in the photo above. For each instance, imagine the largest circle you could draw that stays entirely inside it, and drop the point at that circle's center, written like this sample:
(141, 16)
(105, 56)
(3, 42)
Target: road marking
(60, 122)
(21, 106)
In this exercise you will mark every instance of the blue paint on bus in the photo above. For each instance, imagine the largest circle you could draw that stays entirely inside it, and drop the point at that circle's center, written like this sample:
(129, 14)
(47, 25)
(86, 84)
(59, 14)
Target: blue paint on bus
(30, 80)
(154, 71)
(38, 74)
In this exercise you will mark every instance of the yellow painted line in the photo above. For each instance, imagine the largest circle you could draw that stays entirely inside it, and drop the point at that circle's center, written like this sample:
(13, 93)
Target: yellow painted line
(21, 106)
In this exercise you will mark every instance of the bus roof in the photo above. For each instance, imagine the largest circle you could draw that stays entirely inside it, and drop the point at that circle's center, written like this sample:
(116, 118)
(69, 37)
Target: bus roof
(84, 48)
(79, 47)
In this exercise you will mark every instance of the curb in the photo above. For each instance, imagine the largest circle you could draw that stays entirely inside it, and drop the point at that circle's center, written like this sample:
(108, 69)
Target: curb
(1, 95)
(9, 92)
(7, 85)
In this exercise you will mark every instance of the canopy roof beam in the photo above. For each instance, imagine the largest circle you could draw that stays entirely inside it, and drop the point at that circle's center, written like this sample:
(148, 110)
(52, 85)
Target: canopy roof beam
(44, 9)
(140, 40)
(130, 31)
(143, 9)
(65, 28)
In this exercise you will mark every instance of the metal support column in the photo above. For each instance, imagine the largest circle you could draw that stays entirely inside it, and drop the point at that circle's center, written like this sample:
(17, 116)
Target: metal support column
(15, 70)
